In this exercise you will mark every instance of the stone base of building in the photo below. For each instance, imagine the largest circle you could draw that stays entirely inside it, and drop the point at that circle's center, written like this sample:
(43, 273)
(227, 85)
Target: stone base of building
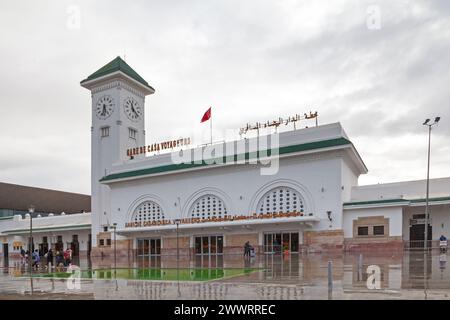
(325, 240)
(124, 248)
(330, 241)
(389, 244)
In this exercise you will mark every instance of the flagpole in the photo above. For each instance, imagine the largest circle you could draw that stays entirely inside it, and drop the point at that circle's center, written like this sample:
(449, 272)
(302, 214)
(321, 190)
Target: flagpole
(210, 127)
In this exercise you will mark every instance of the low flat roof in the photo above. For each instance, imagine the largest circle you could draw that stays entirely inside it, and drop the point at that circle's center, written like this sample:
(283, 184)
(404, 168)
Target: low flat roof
(86, 226)
(18, 197)
(395, 202)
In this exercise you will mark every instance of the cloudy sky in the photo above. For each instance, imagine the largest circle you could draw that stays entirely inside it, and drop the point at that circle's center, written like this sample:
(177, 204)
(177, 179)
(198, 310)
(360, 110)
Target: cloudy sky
(378, 67)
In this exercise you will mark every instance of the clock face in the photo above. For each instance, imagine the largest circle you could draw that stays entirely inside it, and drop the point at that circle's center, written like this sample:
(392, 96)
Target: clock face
(105, 107)
(132, 109)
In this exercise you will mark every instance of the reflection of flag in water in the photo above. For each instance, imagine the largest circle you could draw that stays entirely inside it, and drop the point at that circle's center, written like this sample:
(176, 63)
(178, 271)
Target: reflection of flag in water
(206, 116)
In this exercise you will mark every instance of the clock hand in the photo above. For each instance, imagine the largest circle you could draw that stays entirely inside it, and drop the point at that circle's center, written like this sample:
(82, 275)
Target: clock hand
(104, 110)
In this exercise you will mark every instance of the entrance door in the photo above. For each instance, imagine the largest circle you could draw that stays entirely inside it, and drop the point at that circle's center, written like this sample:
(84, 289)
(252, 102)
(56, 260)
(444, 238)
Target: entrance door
(417, 235)
(281, 242)
(155, 246)
(149, 247)
(209, 245)
(5, 250)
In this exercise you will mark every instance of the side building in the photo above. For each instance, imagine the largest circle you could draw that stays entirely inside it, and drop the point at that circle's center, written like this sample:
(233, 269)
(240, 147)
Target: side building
(60, 220)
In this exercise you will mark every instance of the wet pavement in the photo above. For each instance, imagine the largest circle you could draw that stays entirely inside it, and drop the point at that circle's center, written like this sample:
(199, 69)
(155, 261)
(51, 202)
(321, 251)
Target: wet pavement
(408, 275)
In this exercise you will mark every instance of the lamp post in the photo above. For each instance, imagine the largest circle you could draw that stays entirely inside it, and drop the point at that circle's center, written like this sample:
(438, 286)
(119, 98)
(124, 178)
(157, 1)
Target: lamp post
(177, 222)
(30, 246)
(427, 214)
(115, 256)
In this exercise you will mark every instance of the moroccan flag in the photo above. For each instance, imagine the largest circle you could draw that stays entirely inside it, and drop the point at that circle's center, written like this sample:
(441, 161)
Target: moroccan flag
(206, 116)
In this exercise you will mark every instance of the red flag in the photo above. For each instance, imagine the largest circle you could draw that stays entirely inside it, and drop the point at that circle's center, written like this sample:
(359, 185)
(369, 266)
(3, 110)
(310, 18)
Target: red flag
(206, 116)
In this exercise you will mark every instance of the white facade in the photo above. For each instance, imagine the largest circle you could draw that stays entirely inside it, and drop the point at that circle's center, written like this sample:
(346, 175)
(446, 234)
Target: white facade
(15, 231)
(403, 203)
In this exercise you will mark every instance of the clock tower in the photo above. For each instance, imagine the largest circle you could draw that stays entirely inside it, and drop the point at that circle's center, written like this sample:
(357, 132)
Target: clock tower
(118, 97)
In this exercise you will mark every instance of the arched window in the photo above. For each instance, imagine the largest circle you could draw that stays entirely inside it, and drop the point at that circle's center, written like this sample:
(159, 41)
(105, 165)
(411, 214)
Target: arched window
(281, 199)
(208, 206)
(148, 211)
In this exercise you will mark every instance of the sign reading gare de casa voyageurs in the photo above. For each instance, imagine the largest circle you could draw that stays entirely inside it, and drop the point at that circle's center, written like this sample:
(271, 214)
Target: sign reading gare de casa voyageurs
(155, 147)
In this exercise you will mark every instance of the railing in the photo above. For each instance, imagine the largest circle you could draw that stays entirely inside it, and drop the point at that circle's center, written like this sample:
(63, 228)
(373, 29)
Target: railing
(419, 244)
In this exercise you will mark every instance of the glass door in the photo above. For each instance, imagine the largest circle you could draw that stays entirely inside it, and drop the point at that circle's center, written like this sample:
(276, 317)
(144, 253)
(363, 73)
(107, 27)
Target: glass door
(213, 245)
(281, 242)
(209, 245)
(148, 247)
(268, 243)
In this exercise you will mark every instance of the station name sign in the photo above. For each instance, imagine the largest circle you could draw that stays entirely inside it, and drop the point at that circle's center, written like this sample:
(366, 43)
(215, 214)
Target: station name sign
(254, 216)
(155, 147)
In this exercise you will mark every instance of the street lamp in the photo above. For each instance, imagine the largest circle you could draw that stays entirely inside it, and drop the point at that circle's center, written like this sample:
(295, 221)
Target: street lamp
(427, 214)
(115, 258)
(177, 222)
(30, 246)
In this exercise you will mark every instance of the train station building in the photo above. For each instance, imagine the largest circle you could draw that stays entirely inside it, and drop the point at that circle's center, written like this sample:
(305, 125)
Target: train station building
(290, 192)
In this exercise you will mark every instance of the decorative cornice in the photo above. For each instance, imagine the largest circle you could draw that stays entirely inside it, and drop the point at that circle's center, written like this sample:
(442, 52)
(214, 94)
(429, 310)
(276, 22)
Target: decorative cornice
(119, 84)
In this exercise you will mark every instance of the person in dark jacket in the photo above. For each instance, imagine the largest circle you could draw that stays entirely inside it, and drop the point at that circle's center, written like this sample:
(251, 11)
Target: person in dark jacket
(247, 247)
(50, 258)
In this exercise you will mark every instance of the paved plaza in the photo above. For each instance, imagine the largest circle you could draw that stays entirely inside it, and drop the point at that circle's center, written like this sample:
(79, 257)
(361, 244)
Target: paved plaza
(303, 277)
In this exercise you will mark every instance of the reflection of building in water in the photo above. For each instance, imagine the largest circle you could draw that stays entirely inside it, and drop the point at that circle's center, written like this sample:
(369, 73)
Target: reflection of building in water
(280, 292)
(436, 269)
(385, 272)
(282, 268)
(211, 291)
(149, 290)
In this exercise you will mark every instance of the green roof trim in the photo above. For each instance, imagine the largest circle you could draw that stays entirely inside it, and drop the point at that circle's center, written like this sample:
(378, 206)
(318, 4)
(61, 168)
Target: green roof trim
(431, 199)
(382, 201)
(230, 159)
(71, 227)
(393, 201)
(117, 65)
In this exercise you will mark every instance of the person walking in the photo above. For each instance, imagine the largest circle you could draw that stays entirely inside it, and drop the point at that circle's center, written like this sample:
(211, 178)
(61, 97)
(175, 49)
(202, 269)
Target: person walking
(22, 256)
(36, 259)
(247, 249)
(59, 259)
(67, 258)
(50, 258)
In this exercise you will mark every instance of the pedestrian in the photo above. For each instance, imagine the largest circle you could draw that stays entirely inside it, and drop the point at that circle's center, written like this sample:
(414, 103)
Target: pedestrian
(36, 259)
(22, 255)
(67, 257)
(50, 258)
(247, 249)
(59, 259)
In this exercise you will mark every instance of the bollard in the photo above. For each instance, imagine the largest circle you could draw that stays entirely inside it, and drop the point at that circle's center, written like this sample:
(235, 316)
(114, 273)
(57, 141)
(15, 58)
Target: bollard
(360, 267)
(330, 280)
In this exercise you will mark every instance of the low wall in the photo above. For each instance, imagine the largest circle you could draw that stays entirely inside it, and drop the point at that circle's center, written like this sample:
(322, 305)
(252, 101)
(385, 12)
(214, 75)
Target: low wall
(390, 244)
(326, 240)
